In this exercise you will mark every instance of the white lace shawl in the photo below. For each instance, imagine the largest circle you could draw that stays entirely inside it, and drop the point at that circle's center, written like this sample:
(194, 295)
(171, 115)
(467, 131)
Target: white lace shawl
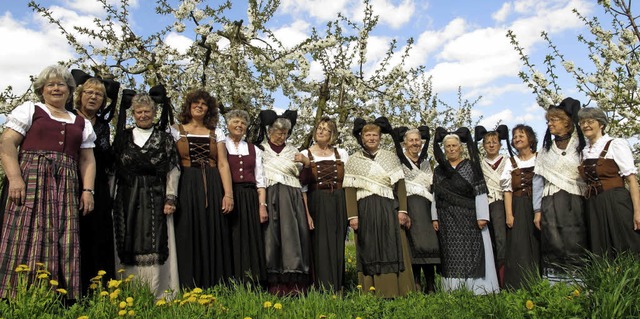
(280, 168)
(375, 176)
(560, 171)
(418, 179)
(492, 177)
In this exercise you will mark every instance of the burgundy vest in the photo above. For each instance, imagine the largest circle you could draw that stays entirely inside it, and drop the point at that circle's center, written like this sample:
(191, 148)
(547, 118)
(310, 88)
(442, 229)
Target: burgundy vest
(47, 134)
(243, 166)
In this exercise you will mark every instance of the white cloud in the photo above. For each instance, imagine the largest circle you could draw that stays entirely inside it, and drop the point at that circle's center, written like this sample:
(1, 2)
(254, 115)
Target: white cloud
(502, 14)
(389, 14)
(178, 42)
(293, 34)
(95, 7)
(323, 10)
(492, 120)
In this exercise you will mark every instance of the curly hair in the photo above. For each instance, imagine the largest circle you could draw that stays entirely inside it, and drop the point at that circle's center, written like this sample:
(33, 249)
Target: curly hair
(210, 119)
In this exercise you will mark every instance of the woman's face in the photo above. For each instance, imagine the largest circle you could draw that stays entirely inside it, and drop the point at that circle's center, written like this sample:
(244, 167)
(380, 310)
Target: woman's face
(92, 98)
(592, 129)
(143, 115)
(278, 137)
(198, 109)
(237, 127)
(520, 141)
(559, 126)
(452, 149)
(491, 145)
(413, 144)
(371, 140)
(323, 134)
(55, 92)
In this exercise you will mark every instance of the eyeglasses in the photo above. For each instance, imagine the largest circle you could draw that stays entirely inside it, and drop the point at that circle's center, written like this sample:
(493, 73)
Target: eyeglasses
(323, 129)
(55, 84)
(93, 93)
(553, 120)
(588, 122)
(280, 134)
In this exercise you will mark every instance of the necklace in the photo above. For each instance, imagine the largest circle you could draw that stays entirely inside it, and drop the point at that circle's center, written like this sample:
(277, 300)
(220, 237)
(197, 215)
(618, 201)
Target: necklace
(90, 118)
(563, 137)
(55, 110)
(324, 151)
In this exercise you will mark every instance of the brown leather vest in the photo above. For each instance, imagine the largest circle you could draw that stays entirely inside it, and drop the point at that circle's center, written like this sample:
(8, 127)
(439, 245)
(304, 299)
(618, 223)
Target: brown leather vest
(201, 156)
(600, 174)
(521, 180)
(326, 174)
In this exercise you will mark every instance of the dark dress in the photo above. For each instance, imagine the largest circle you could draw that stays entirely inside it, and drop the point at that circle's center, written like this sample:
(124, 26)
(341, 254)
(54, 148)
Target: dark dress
(327, 209)
(45, 229)
(203, 239)
(96, 228)
(609, 207)
(523, 238)
(246, 232)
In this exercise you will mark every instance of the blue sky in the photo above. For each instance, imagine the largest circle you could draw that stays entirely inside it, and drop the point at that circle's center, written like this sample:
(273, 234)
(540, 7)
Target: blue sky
(461, 43)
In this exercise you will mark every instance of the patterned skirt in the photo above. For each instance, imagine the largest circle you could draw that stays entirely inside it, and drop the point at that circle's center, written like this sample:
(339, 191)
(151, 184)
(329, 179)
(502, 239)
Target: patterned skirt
(44, 230)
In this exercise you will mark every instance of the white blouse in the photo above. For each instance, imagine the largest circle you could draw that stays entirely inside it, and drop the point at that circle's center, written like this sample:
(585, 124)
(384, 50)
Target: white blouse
(344, 156)
(505, 178)
(20, 120)
(619, 151)
(243, 149)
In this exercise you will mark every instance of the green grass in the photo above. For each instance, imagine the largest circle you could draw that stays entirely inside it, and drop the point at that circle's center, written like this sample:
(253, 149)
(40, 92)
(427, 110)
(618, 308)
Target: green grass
(609, 289)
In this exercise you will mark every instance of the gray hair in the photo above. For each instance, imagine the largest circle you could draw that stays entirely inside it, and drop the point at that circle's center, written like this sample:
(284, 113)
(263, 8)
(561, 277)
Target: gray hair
(280, 123)
(142, 99)
(452, 136)
(593, 113)
(54, 71)
(237, 113)
(411, 131)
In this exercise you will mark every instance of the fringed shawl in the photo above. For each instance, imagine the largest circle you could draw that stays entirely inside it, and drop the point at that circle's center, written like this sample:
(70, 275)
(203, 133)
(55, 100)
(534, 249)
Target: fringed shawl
(492, 178)
(418, 180)
(560, 168)
(280, 168)
(373, 176)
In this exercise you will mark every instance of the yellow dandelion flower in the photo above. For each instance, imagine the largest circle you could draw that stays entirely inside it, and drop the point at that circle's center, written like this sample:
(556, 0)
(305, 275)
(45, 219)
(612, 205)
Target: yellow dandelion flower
(529, 304)
(43, 276)
(122, 313)
(372, 288)
(129, 301)
(359, 287)
(104, 293)
(24, 266)
(114, 294)
(161, 302)
(247, 317)
(122, 304)
(358, 318)
(277, 306)
(131, 313)
(576, 293)
(131, 276)
(334, 297)
(192, 299)
(93, 286)
(196, 290)
(53, 282)
(203, 301)
(114, 283)
(121, 270)
(83, 317)
(322, 316)
(101, 272)
(40, 264)
(96, 278)
(62, 291)
(266, 304)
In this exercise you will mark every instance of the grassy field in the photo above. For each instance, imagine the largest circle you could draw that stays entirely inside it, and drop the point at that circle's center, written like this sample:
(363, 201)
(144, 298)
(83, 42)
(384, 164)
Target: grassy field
(609, 289)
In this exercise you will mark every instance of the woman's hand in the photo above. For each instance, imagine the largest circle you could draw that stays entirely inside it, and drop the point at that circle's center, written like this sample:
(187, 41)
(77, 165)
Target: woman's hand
(482, 223)
(537, 220)
(17, 191)
(302, 159)
(264, 215)
(169, 208)
(510, 220)
(436, 225)
(86, 203)
(310, 222)
(636, 221)
(353, 223)
(404, 220)
(227, 204)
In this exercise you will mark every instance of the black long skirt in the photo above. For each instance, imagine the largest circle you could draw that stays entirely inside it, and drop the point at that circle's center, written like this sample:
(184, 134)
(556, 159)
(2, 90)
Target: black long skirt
(203, 239)
(328, 211)
(498, 231)
(563, 237)
(523, 245)
(610, 222)
(97, 249)
(423, 239)
(246, 233)
(286, 237)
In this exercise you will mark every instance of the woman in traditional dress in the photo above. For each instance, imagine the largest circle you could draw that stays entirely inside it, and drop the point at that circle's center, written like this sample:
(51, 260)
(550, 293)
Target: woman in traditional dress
(147, 172)
(613, 212)
(41, 216)
(203, 239)
(376, 200)
(492, 167)
(460, 214)
(523, 238)
(325, 199)
(286, 235)
(423, 239)
(558, 201)
(250, 207)
(96, 229)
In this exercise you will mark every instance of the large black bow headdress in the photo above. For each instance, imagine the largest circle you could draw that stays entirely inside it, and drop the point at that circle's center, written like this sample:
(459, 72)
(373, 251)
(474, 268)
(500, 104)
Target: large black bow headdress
(159, 95)
(112, 87)
(503, 134)
(465, 137)
(398, 138)
(268, 117)
(359, 123)
(571, 107)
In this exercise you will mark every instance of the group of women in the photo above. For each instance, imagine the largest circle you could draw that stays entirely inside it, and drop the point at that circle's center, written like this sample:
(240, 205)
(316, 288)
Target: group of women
(191, 207)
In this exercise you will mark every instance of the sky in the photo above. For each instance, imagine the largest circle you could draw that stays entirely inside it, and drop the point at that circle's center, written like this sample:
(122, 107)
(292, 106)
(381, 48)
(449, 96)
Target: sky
(461, 43)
